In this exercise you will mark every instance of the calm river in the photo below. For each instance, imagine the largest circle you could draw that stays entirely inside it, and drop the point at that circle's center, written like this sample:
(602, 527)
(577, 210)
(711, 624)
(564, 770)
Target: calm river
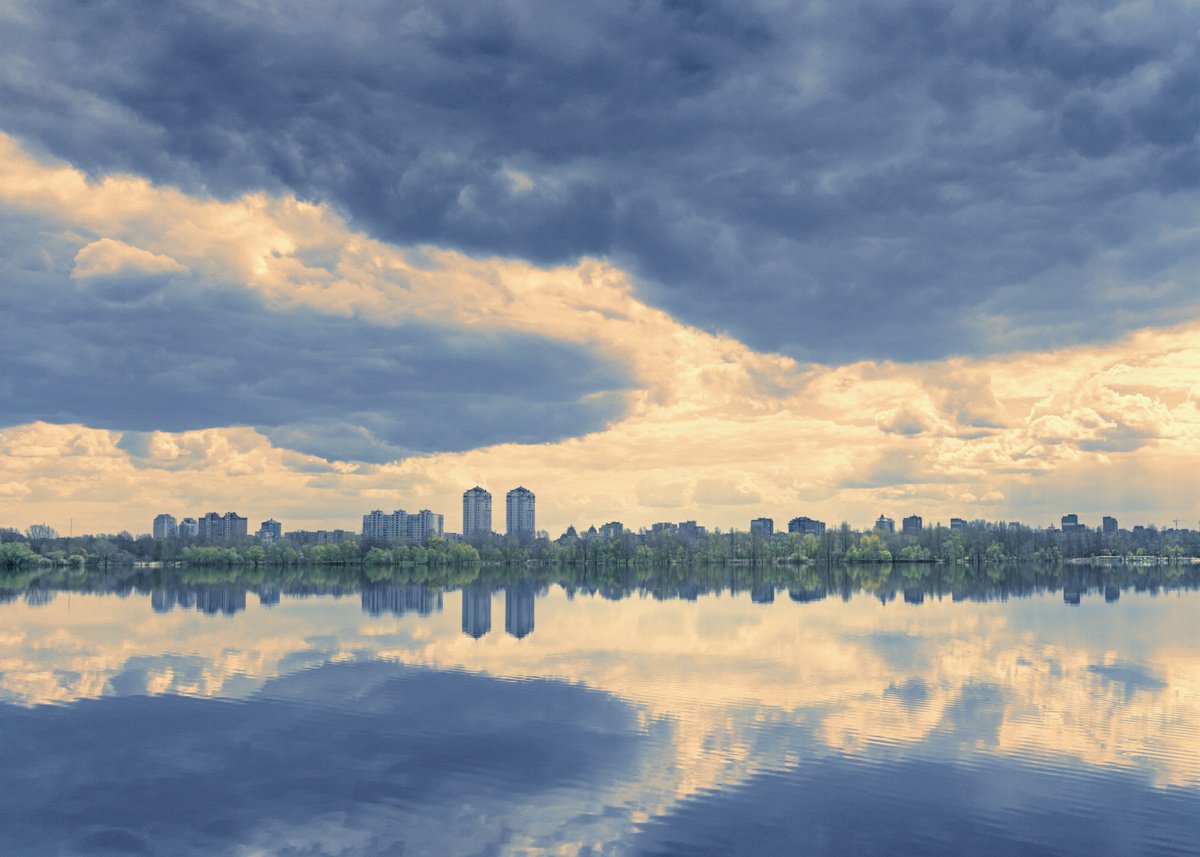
(850, 712)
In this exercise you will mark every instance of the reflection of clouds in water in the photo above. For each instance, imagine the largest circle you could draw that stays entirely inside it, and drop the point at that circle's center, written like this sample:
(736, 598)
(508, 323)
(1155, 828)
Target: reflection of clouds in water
(943, 680)
(836, 805)
(349, 759)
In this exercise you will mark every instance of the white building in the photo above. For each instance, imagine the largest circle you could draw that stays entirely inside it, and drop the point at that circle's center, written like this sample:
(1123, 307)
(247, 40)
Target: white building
(400, 526)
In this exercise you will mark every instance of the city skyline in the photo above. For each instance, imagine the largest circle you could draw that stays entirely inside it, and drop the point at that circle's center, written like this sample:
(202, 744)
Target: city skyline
(821, 270)
(401, 526)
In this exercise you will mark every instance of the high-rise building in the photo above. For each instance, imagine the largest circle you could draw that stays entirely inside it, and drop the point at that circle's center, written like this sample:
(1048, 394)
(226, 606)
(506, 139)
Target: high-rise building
(762, 527)
(477, 513)
(612, 530)
(806, 526)
(189, 528)
(270, 531)
(165, 527)
(1109, 524)
(236, 526)
(912, 525)
(958, 523)
(519, 512)
(885, 524)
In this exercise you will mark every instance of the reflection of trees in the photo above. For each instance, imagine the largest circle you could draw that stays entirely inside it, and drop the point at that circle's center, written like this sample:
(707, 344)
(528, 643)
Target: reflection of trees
(186, 587)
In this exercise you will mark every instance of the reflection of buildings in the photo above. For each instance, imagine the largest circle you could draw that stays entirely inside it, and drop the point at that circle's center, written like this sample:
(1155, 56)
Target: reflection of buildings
(804, 596)
(1071, 596)
(268, 596)
(914, 595)
(477, 610)
(221, 599)
(209, 599)
(1112, 594)
(518, 610)
(762, 593)
(401, 599)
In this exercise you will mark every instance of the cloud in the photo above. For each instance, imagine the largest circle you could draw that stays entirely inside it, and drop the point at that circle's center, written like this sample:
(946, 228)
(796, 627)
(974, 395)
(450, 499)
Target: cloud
(833, 181)
(207, 354)
(726, 492)
(107, 258)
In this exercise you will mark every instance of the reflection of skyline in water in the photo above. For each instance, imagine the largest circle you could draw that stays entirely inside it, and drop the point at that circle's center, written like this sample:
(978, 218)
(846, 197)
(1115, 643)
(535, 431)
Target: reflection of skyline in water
(168, 590)
(742, 695)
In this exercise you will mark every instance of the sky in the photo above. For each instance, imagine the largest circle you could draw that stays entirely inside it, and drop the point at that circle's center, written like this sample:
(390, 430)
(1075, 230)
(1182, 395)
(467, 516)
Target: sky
(654, 260)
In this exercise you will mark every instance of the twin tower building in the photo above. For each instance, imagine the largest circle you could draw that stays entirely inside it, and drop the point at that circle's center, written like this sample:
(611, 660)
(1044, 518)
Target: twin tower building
(519, 516)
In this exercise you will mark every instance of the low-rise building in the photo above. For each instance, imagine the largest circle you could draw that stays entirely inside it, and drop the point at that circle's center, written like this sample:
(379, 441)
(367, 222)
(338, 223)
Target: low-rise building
(806, 526)
(762, 527)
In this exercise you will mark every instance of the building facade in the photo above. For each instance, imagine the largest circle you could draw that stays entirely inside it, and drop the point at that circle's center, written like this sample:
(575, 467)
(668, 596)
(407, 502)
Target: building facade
(885, 524)
(806, 526)
(400, 526)
(1070, 524)
(762, 527)
(912, 525)
(520, 513)
(477, 513)
(222, 528)
(165, 527)
(612, 530)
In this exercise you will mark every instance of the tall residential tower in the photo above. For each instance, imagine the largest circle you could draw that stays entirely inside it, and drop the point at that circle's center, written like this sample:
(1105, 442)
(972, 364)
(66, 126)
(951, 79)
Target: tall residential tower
(477, 513)
(520, 513)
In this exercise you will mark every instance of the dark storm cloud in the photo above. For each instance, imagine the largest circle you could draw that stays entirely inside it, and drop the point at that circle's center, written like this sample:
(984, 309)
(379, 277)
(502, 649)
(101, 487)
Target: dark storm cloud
(835, 180)
(149, 353)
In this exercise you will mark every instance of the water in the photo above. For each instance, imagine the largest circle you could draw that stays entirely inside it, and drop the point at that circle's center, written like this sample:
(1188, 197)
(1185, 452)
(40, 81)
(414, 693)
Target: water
(314, 712)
